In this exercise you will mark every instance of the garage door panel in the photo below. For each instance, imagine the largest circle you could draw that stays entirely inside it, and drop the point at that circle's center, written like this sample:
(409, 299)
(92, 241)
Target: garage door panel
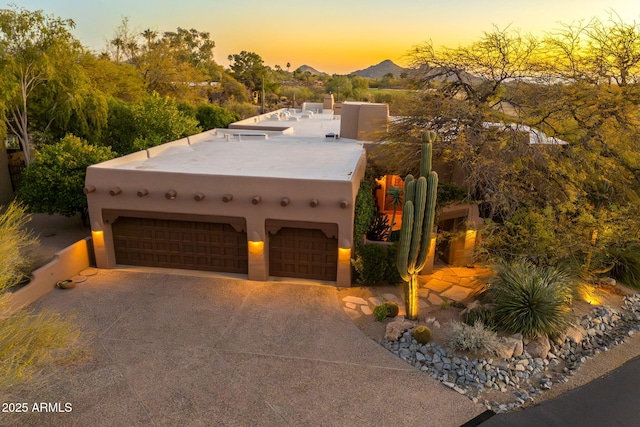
(303, 253)
(180, 244)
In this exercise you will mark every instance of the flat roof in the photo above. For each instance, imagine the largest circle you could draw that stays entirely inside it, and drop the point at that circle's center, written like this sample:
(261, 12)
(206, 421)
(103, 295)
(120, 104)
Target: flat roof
(286, 143)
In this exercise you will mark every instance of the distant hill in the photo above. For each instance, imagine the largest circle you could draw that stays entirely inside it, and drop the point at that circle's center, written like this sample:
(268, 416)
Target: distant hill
(378, 71)
(312, 70)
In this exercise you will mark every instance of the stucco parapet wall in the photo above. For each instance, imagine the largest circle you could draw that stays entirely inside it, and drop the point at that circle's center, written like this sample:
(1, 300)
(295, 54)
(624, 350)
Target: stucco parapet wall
(64, 265)
(211, 191)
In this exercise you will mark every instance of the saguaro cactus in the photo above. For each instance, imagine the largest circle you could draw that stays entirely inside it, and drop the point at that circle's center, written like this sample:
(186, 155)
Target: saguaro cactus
(417, 224)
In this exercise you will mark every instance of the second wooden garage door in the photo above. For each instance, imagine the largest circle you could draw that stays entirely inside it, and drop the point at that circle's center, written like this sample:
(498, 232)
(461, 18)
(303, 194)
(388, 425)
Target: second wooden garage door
(304, 253)
(187, 245)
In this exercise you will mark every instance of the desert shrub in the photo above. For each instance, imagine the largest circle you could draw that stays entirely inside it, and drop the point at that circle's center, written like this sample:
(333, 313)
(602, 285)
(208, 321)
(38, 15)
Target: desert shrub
(476, 339)
(384, 310)
(370, 264)
(379, 228)
(626, 265)
(480, 314)
(422, 334)
(211, 116)
(243, 109)
(16, 243)
(380, 312)
(531, 300)
(27, 342)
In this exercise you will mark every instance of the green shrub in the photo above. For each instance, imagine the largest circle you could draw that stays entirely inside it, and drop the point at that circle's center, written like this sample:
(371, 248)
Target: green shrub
(364, 209)
(480, 314)
(370, 264)
(381, 312)
(384, 310)
(391, 273)
(211, 116)
(476, 339)
(422, 334)
(531, 300)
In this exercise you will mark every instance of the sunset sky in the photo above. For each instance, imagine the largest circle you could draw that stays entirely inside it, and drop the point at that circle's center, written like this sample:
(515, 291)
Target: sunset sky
(334, 36)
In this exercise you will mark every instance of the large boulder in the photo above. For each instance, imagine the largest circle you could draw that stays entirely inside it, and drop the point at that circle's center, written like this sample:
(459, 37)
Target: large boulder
(576, 333)
(396, 328)
(539, 347)
(510, 347)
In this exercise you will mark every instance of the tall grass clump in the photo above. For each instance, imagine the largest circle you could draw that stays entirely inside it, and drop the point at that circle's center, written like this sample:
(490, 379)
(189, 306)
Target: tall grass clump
(475, 338)
(531, 300)
(16, 241)
(28, 342)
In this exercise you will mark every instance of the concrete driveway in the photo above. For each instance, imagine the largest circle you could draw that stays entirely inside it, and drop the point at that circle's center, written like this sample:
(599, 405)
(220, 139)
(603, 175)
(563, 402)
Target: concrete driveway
(179, 350)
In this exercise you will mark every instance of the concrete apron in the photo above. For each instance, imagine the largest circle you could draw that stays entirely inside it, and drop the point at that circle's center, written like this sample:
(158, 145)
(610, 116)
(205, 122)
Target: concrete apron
(192, 350)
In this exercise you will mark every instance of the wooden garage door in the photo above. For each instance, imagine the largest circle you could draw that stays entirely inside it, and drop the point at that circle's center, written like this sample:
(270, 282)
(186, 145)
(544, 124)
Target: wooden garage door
(189, 245)
(304, 253)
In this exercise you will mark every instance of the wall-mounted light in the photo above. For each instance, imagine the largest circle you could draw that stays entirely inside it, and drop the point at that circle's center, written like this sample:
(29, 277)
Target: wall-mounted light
(314, 203)
(89, 189)
(227, 197)
(98, 239)
(256, 199)
(115, 191)
(198, 197)
(285, 201)
(256, 244)
(171, 194)
(144, 192)
(344, 251)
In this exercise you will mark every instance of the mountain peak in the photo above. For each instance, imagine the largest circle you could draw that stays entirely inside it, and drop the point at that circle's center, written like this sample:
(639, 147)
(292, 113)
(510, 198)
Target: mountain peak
(378, 71)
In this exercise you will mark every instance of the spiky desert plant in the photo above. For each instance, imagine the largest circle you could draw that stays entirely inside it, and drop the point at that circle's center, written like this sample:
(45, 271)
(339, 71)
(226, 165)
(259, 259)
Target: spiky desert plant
(417, 224)
(395, 198)
(531, 300)
(15, 241)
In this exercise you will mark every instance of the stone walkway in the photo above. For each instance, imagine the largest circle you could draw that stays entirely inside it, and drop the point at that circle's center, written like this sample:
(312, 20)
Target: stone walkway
(446, 284)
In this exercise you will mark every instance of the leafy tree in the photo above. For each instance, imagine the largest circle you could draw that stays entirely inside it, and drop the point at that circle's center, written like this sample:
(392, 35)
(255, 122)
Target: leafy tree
(212, 116)
(249, 69)
(158, 120)
(118, 80)
(341, 86)
(53, 183)
(575, 85)
(121, 129)
(38, 50)
(191, 46)
(360, 87)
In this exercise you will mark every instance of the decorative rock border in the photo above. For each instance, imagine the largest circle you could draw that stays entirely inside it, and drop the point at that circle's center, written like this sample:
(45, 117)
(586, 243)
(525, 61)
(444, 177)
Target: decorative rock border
(525, 377)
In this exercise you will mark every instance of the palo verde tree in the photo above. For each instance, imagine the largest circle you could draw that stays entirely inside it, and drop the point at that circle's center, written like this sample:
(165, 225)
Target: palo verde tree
(418, 216)
(578, 84)
(38, 50)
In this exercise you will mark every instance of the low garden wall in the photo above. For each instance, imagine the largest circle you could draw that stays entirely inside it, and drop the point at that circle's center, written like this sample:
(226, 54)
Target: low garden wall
(64, 265)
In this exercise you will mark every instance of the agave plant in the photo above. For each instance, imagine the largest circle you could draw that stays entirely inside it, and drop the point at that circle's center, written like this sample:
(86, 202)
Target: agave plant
(531, 300)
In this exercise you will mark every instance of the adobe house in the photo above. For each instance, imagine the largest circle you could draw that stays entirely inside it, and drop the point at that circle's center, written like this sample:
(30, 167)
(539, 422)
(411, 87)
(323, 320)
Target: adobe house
(272, 196)
(263, 202)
